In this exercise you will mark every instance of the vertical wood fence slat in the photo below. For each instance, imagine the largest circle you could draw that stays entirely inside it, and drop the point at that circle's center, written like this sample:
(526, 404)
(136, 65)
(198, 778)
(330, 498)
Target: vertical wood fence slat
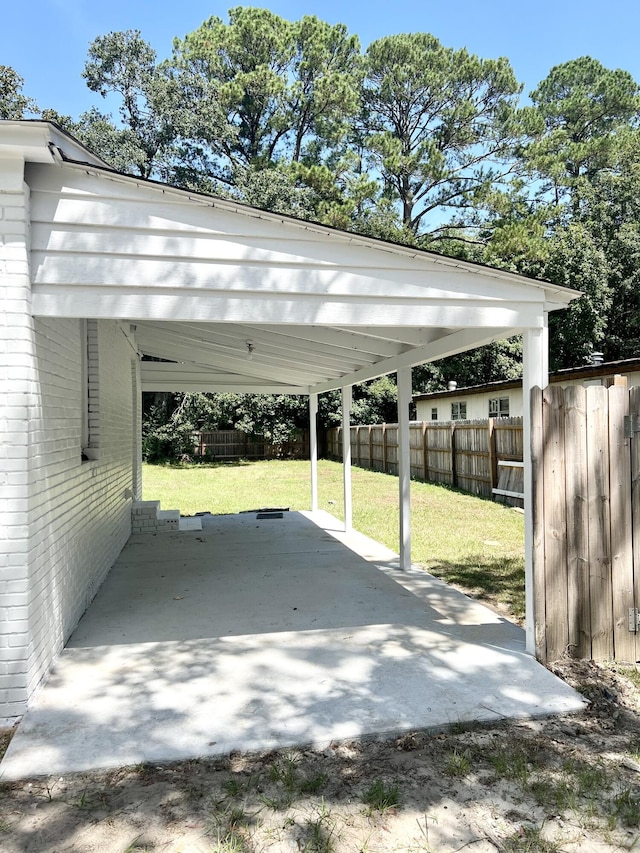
(634, 412)
(620, 510)
(538, 560)
(468, 454)
(575, 454)
(555, 528)
(599, 523)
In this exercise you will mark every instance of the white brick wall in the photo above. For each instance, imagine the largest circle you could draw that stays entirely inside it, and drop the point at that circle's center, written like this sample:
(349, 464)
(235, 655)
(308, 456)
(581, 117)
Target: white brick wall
(62, 521)
(16, 386)
(80, 511)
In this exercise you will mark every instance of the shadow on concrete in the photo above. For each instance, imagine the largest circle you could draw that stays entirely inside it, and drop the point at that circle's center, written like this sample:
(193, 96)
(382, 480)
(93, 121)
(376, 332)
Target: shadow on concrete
(254, 635)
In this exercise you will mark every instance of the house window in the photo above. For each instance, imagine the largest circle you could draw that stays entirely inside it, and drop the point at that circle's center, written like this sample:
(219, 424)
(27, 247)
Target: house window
(458, 411)
(434, 414)
(499, 407)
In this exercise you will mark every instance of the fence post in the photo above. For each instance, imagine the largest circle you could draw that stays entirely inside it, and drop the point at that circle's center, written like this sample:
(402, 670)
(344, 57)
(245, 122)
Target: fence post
(454, 475)
(384, 448)
(493, 462)
(370, 449)
(425, 453)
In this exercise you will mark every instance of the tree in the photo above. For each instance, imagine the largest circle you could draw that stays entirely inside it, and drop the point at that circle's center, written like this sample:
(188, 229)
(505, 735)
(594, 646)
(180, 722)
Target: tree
(13, 104)
(582, 105)
(124, 64)
(441, 124)
(285, 88)
(576, 260)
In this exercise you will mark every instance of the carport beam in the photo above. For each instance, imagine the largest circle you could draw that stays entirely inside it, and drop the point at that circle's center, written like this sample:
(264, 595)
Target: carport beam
(404, 466)
(346, 456)
(313, 449)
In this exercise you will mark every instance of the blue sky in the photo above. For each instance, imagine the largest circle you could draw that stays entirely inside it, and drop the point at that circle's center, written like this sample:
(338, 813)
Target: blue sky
(46, 40)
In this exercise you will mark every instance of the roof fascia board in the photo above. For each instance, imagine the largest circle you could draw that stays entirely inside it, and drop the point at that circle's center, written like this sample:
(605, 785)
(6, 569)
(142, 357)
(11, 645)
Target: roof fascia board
(106, 302)
(44, 142)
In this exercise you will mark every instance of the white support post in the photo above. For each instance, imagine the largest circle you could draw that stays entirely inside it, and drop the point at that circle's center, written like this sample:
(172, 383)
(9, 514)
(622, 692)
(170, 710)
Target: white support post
(346, 456)
(535, 364)
(404, 466)
(313, 449)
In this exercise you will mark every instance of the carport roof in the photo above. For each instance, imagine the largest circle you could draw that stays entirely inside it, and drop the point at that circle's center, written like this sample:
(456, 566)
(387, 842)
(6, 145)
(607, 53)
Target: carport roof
(231, 297)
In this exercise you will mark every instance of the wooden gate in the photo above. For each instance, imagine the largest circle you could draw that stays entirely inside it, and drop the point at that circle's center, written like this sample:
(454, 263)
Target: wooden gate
(586, 521)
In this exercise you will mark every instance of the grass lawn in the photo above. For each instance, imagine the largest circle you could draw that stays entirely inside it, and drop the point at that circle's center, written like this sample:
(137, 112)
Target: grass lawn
(473, 543)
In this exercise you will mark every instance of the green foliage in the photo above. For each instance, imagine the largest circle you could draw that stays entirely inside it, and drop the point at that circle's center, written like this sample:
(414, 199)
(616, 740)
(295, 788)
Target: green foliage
(376, 402)
(440, 123)
(280, 85)
(170, 419)
(381, 796)
(412, 141)
(574, 256)
(582, 105)
(13, 104)
(123, 63)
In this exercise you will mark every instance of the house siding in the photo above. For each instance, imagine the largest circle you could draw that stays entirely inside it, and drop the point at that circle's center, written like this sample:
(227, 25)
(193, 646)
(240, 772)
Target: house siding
(64, 521)
(478, 402)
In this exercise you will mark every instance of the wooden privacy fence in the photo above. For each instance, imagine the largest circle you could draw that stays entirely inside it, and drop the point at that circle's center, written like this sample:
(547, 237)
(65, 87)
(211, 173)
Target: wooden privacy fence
(230, 444)
(483, 457)
(586, 521)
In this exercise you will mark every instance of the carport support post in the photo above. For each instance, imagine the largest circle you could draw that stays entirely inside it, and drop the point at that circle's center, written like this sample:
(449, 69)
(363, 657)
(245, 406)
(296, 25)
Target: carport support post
(313, 449)
(535, 371)
(404, 466)
(346, 456)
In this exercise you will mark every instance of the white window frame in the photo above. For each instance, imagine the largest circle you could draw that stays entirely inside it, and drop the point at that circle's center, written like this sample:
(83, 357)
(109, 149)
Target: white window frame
(459, 411)
(500, 407)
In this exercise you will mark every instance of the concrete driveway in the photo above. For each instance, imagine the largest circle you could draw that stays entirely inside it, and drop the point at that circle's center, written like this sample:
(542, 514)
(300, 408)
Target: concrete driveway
(262, 633)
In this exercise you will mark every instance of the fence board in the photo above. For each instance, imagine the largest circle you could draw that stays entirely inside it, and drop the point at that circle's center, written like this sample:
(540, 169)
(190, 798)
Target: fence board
(599, 523)
(227, 445)
(555, 527)
(575, 454)
(620, 507)
(634, 411)
(462, 453)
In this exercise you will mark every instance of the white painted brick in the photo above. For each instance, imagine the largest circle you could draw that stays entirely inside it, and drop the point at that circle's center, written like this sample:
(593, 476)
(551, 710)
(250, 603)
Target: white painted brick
(78, 517)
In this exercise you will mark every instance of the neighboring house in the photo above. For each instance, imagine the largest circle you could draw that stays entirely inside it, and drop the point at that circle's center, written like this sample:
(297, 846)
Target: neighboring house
(98, 269)
(504, 399)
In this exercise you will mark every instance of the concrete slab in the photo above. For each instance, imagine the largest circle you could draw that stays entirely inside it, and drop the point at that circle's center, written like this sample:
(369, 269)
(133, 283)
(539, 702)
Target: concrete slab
(256, 634)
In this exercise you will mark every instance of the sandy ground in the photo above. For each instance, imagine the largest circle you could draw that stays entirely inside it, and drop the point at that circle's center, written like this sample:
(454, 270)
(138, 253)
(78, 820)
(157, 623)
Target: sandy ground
(570, 784)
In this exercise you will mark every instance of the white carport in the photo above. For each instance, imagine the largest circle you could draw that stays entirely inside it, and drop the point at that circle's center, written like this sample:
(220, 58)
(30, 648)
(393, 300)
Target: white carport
(238, 299)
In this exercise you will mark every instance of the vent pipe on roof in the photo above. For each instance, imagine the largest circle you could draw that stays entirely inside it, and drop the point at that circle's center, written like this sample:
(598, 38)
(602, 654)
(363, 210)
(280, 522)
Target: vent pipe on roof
(452, 385)
(597, 358)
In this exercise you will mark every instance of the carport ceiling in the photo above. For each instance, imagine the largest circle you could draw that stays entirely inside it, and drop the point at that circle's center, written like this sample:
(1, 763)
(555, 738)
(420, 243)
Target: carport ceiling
(269, 358)
(229, 297)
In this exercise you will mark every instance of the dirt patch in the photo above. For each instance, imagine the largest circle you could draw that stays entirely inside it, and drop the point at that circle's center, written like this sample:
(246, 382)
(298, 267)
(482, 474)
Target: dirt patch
(563, 784)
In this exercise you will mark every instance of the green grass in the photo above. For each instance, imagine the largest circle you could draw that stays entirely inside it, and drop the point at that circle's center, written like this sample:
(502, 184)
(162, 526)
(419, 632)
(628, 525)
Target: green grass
(471, 542)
